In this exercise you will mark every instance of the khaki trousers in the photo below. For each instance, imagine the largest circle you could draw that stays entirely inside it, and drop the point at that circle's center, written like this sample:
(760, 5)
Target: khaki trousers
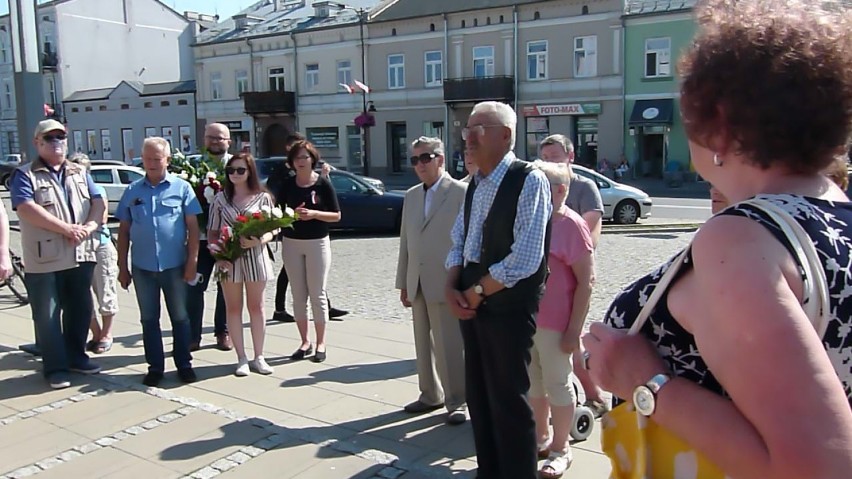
(437, 335)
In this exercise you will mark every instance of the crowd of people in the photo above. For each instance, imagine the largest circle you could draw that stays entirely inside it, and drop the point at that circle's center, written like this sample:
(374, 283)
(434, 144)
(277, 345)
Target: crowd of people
(498, 270)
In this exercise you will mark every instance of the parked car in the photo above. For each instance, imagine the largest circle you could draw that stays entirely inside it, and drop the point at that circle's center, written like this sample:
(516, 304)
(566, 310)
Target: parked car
(7, 165)
(266, 165)
(363, 206)
(622, 203)
(115, 178)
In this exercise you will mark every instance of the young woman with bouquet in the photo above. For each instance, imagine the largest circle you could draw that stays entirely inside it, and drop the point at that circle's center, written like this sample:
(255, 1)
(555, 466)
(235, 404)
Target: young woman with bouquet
(242, 196)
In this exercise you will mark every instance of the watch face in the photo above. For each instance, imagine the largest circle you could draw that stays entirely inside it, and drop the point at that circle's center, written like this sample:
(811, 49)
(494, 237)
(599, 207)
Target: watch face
(478, 289)
(643, 400)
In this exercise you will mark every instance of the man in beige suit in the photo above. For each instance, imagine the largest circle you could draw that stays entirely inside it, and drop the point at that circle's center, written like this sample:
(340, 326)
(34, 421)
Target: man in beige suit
(428, 214)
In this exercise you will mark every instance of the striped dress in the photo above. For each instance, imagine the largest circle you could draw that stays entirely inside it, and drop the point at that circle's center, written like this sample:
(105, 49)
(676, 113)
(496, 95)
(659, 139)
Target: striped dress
(254, 264)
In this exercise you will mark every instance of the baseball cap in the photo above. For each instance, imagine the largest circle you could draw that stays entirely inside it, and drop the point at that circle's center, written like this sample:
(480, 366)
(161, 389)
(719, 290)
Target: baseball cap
(48, 125)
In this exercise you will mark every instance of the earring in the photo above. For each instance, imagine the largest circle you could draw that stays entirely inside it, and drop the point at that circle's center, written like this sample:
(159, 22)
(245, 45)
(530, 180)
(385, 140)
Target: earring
(716, 160)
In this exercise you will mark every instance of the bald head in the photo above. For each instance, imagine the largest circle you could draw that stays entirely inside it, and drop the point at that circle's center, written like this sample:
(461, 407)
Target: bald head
(217, 139)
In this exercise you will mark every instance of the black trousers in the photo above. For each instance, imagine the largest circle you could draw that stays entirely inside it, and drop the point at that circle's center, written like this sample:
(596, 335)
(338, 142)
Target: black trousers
(497, 354)
(195, 298)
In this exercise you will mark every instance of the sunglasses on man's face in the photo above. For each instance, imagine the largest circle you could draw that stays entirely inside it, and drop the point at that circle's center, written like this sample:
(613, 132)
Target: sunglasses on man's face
(422, 158)
(238, 171)
(52, 138)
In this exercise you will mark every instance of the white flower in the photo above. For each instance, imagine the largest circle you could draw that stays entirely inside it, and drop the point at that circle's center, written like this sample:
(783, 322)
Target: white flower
(266, 209)
(193, 179)
(290, 212)
(277, 213)
(183, 175)
(209, 193)
(211, 175)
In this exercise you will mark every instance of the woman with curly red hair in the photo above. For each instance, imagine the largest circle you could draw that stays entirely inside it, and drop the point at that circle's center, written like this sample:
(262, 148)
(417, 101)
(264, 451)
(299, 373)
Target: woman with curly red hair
(728, 361)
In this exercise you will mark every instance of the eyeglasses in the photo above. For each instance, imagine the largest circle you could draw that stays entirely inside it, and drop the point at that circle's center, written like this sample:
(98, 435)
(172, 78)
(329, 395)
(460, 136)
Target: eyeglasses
(219, 139)
(239, 171)
(477, 130)
(422, 158)
(52, 138)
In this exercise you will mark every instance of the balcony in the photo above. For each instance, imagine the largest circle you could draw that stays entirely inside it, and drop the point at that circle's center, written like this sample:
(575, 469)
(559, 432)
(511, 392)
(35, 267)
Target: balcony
(49, 61)
(501, 88)
(269, 102)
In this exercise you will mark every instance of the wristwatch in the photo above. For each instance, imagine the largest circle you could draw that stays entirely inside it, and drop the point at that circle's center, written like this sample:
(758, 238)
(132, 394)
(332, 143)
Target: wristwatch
(479, 290)
(645, 396)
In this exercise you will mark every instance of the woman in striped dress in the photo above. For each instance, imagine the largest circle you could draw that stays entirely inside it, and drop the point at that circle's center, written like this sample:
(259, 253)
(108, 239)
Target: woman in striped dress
(243, 195)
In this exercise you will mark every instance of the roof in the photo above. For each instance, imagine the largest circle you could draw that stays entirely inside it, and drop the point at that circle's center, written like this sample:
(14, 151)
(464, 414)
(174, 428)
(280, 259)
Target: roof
(400, 9)
(295, 16)
(645, 7)
(151, 89)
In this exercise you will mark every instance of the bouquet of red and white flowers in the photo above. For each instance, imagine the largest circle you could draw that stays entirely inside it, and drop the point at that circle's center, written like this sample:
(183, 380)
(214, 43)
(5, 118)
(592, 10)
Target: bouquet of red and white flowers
(205, 175)
(267, 220)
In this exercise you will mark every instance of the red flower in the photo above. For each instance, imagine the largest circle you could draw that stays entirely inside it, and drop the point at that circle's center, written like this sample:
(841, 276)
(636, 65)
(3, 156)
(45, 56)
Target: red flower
(258, 215)
(225, 233)
(242, 219)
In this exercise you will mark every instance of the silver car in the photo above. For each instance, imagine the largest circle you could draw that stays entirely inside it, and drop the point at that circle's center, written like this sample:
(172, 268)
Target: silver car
(115, 178)
(622, 203)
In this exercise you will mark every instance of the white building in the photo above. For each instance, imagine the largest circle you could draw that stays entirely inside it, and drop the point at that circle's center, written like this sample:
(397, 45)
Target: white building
(91, 44)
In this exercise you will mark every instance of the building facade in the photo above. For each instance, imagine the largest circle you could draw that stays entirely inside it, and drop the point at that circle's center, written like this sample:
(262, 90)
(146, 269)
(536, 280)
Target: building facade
(657, 31)
(110, 124)
(93, 44)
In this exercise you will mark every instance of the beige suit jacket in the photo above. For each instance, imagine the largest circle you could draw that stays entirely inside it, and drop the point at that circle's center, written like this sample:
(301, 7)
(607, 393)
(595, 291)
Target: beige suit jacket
(425, 241)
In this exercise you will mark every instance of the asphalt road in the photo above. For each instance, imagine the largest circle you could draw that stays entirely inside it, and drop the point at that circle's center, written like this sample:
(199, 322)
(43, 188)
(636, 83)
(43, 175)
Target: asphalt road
(681, 208)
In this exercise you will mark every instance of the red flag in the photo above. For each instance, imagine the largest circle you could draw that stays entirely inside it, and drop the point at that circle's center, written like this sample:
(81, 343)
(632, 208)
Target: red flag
(362, 86)
(347, 88)
(48, 110)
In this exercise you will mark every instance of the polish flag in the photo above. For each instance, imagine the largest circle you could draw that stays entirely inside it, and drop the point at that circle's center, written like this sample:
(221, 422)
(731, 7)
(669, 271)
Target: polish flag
(48, 110)
(362, 86)
(347, 88)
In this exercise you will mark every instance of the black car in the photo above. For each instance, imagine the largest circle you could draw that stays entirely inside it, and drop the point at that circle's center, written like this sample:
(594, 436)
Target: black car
(362, 205)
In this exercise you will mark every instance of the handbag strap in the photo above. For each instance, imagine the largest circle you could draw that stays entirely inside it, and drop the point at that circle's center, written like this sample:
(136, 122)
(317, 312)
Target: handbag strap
(815, 300)
(661, 288)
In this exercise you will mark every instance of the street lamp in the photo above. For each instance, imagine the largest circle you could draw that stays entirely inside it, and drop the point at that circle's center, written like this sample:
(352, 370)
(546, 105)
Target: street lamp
(366, 119)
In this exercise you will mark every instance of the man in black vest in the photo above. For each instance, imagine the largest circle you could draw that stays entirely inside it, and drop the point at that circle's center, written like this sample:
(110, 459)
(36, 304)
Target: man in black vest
(497, 270)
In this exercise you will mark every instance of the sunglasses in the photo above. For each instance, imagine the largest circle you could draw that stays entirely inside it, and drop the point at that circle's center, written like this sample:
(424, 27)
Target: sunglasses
(52, 138)
(239, 171)
(423, 158)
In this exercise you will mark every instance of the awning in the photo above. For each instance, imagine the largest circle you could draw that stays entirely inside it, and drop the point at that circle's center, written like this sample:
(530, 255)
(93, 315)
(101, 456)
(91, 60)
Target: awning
(652, 112)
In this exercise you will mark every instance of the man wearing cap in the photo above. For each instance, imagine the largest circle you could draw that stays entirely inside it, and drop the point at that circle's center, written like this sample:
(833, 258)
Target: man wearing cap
(53, 198)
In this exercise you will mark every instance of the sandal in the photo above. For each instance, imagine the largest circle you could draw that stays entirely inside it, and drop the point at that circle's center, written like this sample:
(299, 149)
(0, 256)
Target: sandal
(544, 448)
(556, 464)
(301, 354)
(91, 345)
(102, 346)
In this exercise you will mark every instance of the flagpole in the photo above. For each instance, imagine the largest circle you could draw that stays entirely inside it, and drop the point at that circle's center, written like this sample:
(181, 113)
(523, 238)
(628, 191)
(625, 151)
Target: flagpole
(365, 155)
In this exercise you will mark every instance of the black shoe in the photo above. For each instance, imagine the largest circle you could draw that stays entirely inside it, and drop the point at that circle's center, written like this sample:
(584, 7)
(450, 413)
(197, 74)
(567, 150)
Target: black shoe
(419, 406)
(335, 313)
(318, 357)
(283, 317)
(187, 376)
(152, 379)
(300, 354)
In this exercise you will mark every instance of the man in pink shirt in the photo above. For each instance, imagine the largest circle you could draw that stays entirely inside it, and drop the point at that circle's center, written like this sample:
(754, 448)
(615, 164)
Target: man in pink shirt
(559, 323)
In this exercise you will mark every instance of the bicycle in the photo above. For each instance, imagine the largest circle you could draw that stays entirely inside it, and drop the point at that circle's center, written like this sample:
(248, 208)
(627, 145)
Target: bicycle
(15, 281)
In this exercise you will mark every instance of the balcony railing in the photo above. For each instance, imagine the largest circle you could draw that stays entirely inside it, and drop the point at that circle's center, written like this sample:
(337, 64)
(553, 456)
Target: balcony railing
(269, 102)
(479, 89)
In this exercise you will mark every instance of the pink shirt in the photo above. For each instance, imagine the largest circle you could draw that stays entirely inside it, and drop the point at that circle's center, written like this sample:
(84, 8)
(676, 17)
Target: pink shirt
(570, 240)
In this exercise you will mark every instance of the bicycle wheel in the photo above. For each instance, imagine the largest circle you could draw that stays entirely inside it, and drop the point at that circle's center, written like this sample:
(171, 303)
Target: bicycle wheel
(17, 285)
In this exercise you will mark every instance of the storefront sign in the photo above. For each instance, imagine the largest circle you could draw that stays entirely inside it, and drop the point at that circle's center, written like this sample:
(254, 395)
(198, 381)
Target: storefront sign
(327, 138)
(587, 124)
(233, 125)
(563, 109)
(537, 125)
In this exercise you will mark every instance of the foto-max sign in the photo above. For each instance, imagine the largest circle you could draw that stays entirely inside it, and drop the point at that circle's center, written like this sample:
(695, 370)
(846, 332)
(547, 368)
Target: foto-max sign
(563, 109)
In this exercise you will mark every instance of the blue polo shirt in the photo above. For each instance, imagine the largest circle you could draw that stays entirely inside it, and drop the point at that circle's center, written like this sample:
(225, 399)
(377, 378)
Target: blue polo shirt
(157, 216)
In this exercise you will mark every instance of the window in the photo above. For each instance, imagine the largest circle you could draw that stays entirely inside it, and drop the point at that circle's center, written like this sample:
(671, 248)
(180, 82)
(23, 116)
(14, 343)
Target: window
(312, 77)
(7, 95)
(585, 56)
(216, 85)
(657, 57)
(102, 108)
(123, 107)
(345, 184)
(537, 60)
(51, 91)
(434, 129)
(148, 104)
(344, 74)
(183, 102)
(103, 177)
(431, 27)
(276, 79)
(396, 71)
(483, 62)
(75, 110)
(128, 176)
(5, 54)
(47, 37)
(164, 103)
(242, 82)
(434, 68)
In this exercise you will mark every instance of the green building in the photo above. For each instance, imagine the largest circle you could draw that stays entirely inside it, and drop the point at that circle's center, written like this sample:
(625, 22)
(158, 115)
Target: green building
(656, 32)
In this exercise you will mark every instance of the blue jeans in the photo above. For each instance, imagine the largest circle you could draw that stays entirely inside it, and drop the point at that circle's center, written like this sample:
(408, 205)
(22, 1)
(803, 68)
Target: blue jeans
(62, 307)
(195, 298)
(148, 287)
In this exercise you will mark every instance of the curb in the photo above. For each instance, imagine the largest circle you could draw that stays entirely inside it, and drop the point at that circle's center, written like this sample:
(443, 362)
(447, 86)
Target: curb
(639, 228)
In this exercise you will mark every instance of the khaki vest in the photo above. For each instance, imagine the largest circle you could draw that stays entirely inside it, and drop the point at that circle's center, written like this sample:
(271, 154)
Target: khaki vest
(44, 250)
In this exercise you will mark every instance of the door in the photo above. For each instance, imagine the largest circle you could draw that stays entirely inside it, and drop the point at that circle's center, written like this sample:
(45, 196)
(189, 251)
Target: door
(353, 145)
(398, 148)
(653, 150)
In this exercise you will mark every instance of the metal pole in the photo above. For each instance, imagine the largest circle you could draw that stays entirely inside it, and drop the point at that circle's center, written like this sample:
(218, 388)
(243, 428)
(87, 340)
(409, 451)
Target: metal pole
(365, 155)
